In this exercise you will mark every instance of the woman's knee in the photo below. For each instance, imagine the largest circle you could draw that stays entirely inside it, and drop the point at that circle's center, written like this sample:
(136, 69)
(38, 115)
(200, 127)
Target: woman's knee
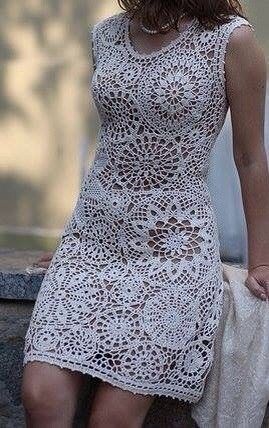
(44, 392)
(40, 397)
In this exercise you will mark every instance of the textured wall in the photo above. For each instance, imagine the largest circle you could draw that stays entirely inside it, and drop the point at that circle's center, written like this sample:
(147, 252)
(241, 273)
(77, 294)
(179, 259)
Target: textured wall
(45, 109)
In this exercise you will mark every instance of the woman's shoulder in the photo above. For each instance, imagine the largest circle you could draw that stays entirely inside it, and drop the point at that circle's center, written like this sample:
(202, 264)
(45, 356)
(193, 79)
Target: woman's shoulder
(235, 21)
(237, 33)
(221, 33)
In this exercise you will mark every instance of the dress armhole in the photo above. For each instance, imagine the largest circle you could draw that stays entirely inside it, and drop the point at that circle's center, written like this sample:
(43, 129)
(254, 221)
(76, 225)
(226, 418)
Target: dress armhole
(224, 40)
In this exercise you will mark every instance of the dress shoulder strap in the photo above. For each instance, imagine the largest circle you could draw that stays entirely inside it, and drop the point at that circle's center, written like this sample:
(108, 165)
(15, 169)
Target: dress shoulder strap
(225, 30)
(104, 33)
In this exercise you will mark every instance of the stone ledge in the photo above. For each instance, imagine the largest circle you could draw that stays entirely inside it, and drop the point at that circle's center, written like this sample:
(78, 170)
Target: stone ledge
(15, 282)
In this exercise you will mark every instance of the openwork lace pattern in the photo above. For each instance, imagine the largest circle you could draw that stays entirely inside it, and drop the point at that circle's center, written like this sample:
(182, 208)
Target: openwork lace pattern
(134, 291)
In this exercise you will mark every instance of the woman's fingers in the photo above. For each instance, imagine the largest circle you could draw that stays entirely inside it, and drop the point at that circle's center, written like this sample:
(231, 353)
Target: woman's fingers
(266, 285)
(46, 256)
(42, 264)
(44, 260)
(255, 288)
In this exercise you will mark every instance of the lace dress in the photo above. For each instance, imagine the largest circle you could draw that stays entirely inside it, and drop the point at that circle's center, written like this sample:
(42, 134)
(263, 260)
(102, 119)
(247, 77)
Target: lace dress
(134, 292)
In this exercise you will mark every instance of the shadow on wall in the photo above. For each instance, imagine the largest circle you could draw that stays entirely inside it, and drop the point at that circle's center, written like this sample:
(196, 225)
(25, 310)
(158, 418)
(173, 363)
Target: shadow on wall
(52, 31)
(45, 106)
(20, 200)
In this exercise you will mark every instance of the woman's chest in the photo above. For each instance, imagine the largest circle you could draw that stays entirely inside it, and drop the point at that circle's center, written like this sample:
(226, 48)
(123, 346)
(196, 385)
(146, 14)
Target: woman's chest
(178, 83)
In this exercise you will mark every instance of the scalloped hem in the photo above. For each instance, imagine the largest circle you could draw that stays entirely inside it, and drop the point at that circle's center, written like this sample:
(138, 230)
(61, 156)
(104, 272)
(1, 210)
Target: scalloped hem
(106, 378)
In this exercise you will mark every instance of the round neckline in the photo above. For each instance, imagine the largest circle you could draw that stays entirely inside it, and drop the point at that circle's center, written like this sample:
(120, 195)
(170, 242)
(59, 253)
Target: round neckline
(164, 48)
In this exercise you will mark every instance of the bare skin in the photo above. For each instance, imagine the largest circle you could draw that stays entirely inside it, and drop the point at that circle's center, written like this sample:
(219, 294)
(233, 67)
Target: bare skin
(50, 394)
(246, 89)
(115, 408)
(45, 260)
(146, 43)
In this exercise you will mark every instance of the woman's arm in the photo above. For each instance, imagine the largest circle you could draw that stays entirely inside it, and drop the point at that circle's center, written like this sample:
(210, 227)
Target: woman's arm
(245, 69)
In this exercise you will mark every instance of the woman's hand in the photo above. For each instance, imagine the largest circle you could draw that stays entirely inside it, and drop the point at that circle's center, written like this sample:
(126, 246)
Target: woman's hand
(258, 282)
(44, 260)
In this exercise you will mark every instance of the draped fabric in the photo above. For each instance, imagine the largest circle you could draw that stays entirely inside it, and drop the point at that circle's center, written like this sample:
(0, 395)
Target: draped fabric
(236, 391)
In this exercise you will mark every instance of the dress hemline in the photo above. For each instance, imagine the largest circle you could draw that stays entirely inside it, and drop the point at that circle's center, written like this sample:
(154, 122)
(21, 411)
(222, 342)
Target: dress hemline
(109, 379)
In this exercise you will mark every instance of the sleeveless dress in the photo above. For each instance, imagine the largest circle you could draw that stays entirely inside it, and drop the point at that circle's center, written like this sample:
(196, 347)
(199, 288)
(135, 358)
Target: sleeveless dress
(134, 291)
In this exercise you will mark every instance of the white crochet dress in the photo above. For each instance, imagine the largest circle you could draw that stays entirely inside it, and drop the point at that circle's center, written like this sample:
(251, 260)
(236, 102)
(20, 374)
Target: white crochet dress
(134, 292)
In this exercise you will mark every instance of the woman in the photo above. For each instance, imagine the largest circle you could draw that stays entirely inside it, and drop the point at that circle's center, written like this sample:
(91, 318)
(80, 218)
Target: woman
(133, 294)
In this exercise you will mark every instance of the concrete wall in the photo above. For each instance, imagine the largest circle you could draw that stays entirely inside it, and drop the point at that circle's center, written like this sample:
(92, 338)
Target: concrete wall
(46, 112)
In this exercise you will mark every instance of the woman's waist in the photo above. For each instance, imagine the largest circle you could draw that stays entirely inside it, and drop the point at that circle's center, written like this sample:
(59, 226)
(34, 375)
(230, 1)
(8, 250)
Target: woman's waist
(191, 199)
(108, 185)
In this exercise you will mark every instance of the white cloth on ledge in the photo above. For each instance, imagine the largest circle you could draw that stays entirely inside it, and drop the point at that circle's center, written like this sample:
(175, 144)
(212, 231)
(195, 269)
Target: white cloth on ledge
(236, 391)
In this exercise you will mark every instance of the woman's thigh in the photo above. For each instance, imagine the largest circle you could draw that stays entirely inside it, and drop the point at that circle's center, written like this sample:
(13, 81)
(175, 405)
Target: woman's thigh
(114, 407)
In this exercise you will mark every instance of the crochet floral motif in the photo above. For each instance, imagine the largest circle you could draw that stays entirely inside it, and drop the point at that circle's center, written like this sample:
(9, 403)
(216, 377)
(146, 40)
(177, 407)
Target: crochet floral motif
(134, 291)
